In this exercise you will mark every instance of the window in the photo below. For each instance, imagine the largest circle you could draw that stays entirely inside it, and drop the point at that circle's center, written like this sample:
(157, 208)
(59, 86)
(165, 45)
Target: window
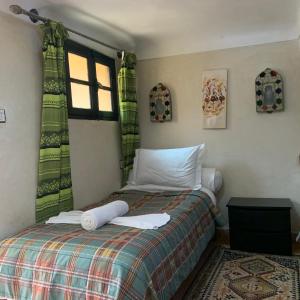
(91, 83)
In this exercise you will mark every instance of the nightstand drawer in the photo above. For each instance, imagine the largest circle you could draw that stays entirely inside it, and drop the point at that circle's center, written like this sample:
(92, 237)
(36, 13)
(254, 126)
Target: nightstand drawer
(263, 220)
(274, 243)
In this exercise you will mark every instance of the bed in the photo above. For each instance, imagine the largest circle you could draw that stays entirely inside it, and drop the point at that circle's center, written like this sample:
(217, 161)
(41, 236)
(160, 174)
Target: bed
(114, 262)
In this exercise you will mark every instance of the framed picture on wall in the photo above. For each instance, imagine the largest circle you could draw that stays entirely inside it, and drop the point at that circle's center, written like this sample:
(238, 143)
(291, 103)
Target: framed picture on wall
(214, 98)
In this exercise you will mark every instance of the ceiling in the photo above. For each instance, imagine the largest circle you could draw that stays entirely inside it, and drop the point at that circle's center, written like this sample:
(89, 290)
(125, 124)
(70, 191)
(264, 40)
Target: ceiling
(156, 28)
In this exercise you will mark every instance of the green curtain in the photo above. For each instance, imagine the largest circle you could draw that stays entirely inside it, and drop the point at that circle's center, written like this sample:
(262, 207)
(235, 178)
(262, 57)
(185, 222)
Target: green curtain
(130, 139)
(54, 174)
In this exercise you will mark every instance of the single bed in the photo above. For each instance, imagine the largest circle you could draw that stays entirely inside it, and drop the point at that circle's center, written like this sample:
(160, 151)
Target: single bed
(114, 262)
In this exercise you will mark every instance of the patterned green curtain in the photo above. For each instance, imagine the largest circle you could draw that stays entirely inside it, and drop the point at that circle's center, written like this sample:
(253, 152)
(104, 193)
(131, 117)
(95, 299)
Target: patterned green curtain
(54, 175)
(130, 139)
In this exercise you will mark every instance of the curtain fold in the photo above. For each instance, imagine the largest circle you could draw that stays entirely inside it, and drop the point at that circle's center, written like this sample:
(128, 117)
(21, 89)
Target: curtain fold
(54, 192)
(130, 139)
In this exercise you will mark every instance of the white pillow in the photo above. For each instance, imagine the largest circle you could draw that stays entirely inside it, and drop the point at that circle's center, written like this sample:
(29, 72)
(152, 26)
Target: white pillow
(212, 179)
(198, 179)
(180, 167)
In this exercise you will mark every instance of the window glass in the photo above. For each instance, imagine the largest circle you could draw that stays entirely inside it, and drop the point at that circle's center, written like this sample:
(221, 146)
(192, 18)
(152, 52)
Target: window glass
(104, 97)
(78, 67)
(80, 95)
(103, 75)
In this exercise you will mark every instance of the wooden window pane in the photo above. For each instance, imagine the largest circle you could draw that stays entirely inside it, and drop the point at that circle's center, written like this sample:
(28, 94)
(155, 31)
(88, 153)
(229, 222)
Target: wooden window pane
(104, 97)
(103, 74)
(80, 96)
(78, 67)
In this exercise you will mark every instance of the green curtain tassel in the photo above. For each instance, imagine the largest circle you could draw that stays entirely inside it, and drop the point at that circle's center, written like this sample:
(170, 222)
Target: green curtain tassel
(54, 192)
(130, 139)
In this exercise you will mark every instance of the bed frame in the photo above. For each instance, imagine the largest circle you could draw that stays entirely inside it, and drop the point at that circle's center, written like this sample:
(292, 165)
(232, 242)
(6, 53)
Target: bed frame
(182, 290)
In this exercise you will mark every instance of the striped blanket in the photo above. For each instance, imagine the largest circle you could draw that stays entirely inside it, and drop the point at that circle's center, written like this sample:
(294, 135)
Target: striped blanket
(65, 262)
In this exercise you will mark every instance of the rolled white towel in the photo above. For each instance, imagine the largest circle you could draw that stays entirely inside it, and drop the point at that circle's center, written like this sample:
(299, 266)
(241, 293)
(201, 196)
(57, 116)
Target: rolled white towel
(97, 217)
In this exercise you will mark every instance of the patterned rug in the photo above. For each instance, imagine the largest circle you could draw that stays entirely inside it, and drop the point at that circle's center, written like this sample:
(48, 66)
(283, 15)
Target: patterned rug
(230, 275)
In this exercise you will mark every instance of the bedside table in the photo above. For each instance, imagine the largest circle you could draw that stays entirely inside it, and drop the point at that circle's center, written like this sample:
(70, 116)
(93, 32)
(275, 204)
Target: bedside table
(260, 225)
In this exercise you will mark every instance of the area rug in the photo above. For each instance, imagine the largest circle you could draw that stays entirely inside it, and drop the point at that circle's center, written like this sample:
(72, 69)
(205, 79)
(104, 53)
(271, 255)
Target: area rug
(230, 275)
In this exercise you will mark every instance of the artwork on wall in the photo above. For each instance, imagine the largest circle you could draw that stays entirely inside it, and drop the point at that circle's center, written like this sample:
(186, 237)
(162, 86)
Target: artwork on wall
(160, 104)
(269, 91)
(214, 98)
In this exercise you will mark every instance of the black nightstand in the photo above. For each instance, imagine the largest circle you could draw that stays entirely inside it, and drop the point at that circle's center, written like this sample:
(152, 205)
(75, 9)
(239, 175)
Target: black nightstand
(260, 225)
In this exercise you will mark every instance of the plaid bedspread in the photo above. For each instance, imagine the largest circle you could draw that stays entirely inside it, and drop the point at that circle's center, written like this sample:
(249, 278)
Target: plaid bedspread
(113, 262)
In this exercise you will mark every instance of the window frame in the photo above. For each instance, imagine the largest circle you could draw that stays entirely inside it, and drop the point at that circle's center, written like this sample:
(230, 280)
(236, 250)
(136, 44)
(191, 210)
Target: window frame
(92, 57)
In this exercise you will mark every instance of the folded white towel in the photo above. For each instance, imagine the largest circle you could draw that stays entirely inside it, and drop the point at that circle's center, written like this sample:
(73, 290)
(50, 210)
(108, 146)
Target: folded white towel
(110, 213)
(96, 217)
(149, 221)
(70, 217)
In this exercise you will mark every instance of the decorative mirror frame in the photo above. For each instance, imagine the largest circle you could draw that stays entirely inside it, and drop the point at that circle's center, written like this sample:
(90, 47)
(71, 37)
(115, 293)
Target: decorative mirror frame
(160, 103)
(269, 91)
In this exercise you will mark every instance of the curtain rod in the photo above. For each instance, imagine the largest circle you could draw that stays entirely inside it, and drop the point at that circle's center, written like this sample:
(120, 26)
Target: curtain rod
(34, 17)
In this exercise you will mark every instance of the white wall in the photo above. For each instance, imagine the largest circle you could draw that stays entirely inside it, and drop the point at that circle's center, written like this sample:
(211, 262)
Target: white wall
(94, 144)
(257, 153)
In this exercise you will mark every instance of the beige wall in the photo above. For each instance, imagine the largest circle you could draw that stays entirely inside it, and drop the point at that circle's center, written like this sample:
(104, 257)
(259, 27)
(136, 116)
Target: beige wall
(257, 153)
(94, 144)
(94, 160)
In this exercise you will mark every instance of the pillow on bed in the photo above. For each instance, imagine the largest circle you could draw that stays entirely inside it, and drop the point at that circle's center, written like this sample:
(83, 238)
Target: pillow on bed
(179, 167)
(212, 179)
